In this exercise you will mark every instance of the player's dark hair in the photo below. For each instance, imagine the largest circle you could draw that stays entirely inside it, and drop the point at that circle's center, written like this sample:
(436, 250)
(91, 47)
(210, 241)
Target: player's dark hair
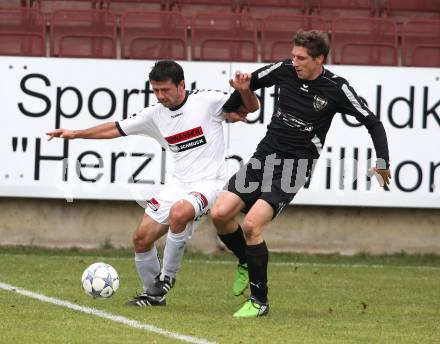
(316, 42)
(164, 70)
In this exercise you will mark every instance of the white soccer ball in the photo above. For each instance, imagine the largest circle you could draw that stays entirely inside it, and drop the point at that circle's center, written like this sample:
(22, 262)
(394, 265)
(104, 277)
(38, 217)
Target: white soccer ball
(100, 280)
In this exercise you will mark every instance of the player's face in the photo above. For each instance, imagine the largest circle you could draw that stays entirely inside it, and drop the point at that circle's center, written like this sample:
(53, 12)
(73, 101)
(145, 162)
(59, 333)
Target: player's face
(307, 67)
(167, 93)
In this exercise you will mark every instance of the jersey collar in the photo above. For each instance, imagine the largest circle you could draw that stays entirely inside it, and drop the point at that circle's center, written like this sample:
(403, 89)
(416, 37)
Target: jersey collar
(181, 104)
(309, 82)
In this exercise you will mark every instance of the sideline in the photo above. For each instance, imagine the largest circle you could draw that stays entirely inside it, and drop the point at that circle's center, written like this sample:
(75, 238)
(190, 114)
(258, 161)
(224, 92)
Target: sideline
(232, 262)
(105, 315)
(325, 265)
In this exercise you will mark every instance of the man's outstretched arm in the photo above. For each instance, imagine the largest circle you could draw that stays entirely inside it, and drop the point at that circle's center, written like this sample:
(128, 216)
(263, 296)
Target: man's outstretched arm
(380, 142)
(107, 130)
(355, 106)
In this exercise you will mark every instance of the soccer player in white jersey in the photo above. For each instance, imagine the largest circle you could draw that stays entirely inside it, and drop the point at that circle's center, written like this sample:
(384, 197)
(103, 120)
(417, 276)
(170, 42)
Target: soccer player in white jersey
(190, 125)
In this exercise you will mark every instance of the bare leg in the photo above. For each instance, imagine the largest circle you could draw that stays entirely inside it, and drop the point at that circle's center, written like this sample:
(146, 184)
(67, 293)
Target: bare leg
(258, 216)
(224, 211)
(147, 233)
(146, 259)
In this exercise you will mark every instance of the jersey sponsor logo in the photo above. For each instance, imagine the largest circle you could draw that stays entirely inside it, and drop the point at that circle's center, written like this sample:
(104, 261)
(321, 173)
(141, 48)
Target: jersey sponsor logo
(202, 201)
(181, 147)
(186, 140)
(184, 135)
(294, 121)
(177, 115)
(319, 103)
(153, 204)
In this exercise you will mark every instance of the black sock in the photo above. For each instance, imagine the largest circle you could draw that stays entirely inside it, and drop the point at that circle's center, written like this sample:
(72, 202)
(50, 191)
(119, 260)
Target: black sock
(257, 258)
(236, 243)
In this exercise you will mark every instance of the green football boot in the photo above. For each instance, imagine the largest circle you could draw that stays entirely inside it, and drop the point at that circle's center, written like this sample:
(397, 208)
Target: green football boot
(241, 280)
(252, 309)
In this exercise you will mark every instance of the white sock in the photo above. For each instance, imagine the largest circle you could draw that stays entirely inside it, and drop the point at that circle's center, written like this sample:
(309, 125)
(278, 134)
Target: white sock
(173, 253)
(147, 266)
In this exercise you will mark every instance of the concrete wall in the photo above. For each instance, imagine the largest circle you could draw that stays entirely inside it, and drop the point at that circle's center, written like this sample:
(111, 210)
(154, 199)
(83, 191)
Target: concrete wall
(56, 223)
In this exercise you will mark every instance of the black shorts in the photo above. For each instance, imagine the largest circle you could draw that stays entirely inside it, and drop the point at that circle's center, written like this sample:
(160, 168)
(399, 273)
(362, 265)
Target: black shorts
(275, 181)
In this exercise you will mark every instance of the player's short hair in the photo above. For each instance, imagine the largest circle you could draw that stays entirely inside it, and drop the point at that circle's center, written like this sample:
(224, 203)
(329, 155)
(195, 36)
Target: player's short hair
(164, 70)
(316, 42)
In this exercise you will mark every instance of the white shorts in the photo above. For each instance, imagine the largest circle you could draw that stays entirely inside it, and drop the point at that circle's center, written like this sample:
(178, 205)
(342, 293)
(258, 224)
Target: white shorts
(201, 195)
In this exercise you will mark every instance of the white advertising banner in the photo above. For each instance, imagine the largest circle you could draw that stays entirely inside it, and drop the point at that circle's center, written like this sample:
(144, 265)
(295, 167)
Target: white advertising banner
(39, 94)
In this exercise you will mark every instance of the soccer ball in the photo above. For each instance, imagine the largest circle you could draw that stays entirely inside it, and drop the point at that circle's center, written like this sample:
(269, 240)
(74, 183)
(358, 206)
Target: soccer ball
(100, 280)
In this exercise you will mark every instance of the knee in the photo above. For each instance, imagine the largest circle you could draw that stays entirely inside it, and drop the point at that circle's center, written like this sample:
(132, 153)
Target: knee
(141, 240)
(179, 217)
(219, 214)
(250, 228)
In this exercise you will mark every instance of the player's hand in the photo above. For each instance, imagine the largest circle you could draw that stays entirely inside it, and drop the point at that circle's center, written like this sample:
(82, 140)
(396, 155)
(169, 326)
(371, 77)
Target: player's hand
(241, 82)
(382, 176)
(236, 116)
(62, 133)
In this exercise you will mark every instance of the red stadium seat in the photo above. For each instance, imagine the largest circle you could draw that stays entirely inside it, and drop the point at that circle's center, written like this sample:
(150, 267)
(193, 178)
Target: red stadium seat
(364, 41)
(118, 7)
(153, 35)
(191, 7)
(50, 6)
(15, 3)
(83, 33)
(343, 8)
(262, 8)
(278, 30)
(421, 43)
(22, 32)
(224, 37)
(402, 10)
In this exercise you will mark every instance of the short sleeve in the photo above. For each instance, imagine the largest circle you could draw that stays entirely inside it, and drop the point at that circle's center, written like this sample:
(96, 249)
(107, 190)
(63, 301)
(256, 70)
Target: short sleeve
(140, 123)
(218, 99)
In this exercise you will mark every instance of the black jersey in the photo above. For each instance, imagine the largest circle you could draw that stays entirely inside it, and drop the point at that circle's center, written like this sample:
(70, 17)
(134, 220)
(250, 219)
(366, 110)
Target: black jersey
(305, 109)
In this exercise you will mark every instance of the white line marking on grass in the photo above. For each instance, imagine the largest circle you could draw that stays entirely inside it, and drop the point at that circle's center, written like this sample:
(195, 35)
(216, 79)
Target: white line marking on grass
(105, 315)
(356, 266)
(318, 265)
(326, 265)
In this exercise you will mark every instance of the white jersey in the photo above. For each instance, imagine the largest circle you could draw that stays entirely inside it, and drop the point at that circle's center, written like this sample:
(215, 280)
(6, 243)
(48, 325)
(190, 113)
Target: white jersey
(193, 132)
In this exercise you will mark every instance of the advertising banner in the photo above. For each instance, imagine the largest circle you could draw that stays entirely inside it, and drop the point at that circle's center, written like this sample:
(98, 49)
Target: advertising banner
(40, 94)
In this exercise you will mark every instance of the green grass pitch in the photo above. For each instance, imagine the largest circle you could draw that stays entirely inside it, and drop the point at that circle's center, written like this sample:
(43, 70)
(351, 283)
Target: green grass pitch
(313, 299)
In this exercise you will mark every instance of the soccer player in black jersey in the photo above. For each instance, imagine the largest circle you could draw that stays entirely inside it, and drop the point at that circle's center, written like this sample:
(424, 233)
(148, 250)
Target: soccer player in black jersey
(309, 97)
